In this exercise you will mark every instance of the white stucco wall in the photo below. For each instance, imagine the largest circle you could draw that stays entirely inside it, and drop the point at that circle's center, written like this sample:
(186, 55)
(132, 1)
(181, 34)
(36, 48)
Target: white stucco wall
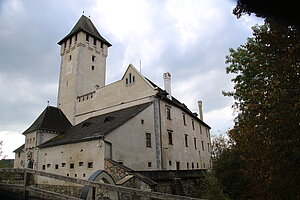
(178, 152)
(129, 142)
(58, 160)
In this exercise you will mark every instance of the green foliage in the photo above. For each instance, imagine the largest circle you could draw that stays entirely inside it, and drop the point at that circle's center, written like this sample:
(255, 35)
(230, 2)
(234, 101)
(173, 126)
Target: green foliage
(266, 94)
(213, 190)
(228, 169)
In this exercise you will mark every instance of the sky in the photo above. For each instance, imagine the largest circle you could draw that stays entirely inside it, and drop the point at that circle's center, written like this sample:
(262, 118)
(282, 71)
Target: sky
(188, 38)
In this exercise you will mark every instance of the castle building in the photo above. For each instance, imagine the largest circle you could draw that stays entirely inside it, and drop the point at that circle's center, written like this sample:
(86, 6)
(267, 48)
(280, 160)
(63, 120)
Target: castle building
(131, 121)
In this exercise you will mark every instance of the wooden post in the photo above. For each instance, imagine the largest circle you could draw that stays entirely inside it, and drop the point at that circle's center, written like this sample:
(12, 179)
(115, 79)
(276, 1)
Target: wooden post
(26, 183)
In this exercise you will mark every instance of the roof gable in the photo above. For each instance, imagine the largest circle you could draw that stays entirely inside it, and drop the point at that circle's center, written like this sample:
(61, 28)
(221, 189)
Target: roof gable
(86, 25)
(51, 119)
(96, 127)
(132, 68)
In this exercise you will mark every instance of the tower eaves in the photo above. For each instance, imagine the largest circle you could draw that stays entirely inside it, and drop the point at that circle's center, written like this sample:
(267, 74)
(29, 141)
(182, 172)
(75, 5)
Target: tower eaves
(86, 25)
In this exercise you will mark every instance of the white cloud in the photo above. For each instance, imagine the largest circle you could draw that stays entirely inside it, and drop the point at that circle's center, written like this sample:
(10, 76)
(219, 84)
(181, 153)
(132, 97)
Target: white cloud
(220, 120)
(11, 141)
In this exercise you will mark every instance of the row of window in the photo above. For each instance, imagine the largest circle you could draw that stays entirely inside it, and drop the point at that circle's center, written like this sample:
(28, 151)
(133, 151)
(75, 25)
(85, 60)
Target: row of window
(71, 165)
(193, 165)
(168, 116)
(170, 140)
(29, 140)
(130, 79)
(85, 97)
(87, 39)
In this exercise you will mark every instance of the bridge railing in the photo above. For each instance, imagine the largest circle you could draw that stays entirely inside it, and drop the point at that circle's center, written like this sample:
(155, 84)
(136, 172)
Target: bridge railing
(28, 187)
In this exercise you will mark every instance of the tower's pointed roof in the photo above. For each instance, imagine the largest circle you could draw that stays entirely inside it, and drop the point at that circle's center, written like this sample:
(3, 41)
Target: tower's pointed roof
(51, 119)
(86, 25)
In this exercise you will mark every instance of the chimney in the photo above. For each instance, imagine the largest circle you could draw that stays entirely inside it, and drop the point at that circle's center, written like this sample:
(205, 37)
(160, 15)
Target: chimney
(200, 110)
(167, 83)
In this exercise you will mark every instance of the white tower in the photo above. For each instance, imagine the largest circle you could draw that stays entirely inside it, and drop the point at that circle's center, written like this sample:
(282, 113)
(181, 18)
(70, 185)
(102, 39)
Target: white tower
(83, 65)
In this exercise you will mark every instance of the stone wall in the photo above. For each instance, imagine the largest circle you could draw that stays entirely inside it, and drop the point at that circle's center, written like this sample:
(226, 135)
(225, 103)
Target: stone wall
(183, 182)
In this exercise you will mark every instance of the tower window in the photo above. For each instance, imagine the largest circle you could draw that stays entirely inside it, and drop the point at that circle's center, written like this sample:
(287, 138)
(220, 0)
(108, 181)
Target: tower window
(75, 37)
(193, 125)
(87, 37)
(101, 45)
(70, 41)
(95, 41)
(148, 139)
(184, 121)
(202, 144)
(195, 143)
(149, 164)
(93, 58)
(70, 57)
(93, 67)
(56, 166)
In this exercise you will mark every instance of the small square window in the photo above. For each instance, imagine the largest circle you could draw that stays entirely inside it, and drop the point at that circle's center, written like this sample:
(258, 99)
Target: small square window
(90, 164)
(56, 166)
(142, 121)
(83, 175)
(44, 167)
(149, 164)
(80, 163)
(48, 165)
(71, 165)
(93, 67)
(63, 164)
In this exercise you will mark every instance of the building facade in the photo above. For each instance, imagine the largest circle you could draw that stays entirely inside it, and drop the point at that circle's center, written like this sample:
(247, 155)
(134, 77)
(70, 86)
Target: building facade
(131, 121)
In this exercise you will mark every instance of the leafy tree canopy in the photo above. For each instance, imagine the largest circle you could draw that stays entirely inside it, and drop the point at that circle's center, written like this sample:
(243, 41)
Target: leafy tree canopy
(267, 97)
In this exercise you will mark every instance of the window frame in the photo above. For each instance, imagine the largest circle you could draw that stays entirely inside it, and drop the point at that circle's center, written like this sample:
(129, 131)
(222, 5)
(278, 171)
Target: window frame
(148, 140)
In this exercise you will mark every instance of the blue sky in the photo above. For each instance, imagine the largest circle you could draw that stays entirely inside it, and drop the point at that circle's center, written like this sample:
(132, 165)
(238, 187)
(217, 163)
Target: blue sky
(188, 38)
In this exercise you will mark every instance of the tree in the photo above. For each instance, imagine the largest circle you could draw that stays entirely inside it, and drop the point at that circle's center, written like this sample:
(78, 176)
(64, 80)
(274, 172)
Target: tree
(285, 12)
(227, 168)
(266, 94)
(213, 189)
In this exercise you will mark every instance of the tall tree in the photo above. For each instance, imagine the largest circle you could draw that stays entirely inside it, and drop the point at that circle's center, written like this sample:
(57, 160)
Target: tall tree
(227, 168)
(267, 96)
